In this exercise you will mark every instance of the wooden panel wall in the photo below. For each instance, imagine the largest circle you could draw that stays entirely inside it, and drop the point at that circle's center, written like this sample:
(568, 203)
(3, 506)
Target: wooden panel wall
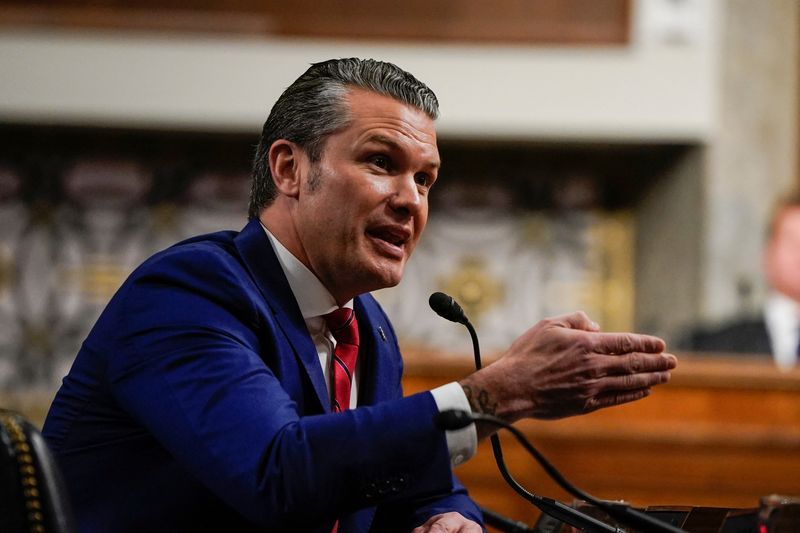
(721, 433)
(514, 21)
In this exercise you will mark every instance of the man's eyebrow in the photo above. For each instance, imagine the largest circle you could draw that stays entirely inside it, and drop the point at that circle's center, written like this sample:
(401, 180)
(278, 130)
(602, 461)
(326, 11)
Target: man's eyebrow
(393, 144)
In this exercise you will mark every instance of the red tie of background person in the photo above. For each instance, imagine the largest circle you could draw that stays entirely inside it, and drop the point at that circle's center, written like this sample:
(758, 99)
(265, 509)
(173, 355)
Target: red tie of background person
(344, 328)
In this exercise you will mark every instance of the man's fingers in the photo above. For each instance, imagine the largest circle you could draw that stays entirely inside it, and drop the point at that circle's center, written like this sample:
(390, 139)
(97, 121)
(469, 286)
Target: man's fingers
(624, 343)
(576, 320)
(451, 522)
(610, 399)
(636, 363)
(627, 382)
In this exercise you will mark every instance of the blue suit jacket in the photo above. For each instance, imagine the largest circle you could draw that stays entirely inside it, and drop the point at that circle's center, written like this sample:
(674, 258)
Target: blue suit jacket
(197, 403)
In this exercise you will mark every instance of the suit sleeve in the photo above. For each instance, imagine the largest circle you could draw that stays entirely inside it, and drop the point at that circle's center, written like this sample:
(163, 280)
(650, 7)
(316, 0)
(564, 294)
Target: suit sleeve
(406, 515)
(186, 364)
(403, 516)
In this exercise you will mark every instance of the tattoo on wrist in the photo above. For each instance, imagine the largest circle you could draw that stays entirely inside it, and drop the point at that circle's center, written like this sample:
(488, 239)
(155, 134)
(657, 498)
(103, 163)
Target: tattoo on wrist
(479, 401)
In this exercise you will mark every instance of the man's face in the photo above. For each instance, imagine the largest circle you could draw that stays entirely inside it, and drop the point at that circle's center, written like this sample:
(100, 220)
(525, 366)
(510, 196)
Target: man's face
(363, 206)
(783, 254)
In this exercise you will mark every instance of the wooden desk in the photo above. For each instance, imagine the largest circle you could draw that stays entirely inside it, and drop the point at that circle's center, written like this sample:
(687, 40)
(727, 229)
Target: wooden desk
(723, 432)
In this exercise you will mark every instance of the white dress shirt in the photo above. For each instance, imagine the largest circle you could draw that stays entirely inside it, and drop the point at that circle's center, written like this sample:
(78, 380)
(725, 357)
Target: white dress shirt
(314, 300)
(782, 317)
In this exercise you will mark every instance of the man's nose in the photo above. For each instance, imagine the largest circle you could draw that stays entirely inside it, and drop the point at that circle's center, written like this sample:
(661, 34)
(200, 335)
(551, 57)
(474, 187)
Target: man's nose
(406, 197)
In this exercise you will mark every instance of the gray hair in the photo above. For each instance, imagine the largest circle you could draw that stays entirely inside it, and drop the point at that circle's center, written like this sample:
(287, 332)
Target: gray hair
(314, 107)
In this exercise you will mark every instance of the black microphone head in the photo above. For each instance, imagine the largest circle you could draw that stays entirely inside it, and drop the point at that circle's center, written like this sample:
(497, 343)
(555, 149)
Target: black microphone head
(446, 307)
(452, 419)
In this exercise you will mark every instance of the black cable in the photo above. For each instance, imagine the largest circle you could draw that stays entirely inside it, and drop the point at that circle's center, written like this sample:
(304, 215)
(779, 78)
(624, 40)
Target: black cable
(550, 506)
(446, 307)
(622, 512)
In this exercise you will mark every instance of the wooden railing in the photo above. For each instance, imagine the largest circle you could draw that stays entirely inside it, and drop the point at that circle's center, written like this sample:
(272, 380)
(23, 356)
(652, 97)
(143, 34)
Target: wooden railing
(723, 432)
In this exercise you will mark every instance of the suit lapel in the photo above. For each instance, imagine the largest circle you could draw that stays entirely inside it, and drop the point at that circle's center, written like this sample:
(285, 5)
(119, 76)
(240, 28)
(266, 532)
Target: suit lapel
(381, 365)
(260, 259)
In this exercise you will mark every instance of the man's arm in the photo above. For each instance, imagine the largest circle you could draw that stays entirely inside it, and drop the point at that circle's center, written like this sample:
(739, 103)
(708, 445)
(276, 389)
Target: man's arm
(564, 366)
(187, 364)
(448, 509)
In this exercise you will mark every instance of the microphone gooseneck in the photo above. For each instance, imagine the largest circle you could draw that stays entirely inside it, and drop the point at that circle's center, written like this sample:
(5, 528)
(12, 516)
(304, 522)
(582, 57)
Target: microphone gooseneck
(446, 307)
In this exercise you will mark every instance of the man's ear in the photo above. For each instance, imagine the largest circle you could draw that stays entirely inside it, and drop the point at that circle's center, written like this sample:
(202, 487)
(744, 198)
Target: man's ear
(285, 163)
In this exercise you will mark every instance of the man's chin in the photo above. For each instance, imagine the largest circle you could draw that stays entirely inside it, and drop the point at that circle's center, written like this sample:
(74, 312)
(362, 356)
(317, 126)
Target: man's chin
(387, 277)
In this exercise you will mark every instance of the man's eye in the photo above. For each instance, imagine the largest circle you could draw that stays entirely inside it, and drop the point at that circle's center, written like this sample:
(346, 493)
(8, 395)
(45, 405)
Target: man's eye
(422, 179)
(381, 161)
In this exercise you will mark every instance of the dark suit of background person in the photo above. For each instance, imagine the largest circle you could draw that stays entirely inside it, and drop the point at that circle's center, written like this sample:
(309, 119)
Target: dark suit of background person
(776, 332)
(198, 403)
(743, 336)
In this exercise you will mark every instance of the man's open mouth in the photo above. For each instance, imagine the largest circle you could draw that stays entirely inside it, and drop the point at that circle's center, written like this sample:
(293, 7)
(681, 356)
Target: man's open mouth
(393, 237)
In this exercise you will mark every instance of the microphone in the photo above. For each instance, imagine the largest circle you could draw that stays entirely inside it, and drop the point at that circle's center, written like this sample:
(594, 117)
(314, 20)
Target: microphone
(446, 307)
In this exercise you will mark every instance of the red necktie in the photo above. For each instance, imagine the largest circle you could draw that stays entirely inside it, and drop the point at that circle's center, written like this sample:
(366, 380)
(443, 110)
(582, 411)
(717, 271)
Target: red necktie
(344, 328)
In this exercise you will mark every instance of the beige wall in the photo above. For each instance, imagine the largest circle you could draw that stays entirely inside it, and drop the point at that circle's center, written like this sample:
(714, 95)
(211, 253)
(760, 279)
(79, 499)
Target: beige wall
(702, 224)
(652, 89)
(723, 79)
(752, 156)
(668, 249)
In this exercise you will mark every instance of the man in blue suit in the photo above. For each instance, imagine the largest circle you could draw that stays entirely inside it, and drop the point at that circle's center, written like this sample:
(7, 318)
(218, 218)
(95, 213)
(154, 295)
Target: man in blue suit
(207, 396)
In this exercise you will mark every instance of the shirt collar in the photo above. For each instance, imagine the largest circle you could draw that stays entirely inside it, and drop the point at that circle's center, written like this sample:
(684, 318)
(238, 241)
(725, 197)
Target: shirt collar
(782, 316)
(779, 307)
(312, 297)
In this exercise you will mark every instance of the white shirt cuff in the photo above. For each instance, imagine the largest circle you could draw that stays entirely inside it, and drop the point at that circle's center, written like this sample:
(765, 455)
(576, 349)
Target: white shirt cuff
(461, 443)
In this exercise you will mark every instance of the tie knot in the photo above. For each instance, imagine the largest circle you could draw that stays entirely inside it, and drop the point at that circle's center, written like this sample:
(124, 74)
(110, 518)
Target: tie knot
(343, 325)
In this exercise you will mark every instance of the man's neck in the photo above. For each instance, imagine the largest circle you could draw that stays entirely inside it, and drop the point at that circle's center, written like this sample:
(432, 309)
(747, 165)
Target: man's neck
(312, 297)
(280, 224)
(277, 219)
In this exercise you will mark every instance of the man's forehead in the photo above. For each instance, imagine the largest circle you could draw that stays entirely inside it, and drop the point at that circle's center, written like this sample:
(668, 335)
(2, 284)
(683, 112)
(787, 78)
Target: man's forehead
(362, 103)
(357, 92)
(368, 110)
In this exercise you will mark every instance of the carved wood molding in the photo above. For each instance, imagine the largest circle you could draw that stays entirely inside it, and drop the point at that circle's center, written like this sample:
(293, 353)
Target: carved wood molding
(558, 22)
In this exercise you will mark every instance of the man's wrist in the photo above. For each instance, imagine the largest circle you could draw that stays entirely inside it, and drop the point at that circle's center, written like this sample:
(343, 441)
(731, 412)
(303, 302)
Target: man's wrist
(484, 398)
(480, 401)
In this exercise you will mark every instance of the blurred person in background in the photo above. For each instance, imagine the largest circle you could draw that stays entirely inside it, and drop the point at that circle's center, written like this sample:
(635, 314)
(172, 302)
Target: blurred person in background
(777, 330)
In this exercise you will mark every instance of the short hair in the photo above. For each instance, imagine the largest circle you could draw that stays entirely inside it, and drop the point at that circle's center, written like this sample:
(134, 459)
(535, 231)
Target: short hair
(314, 106)
(789, 200)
